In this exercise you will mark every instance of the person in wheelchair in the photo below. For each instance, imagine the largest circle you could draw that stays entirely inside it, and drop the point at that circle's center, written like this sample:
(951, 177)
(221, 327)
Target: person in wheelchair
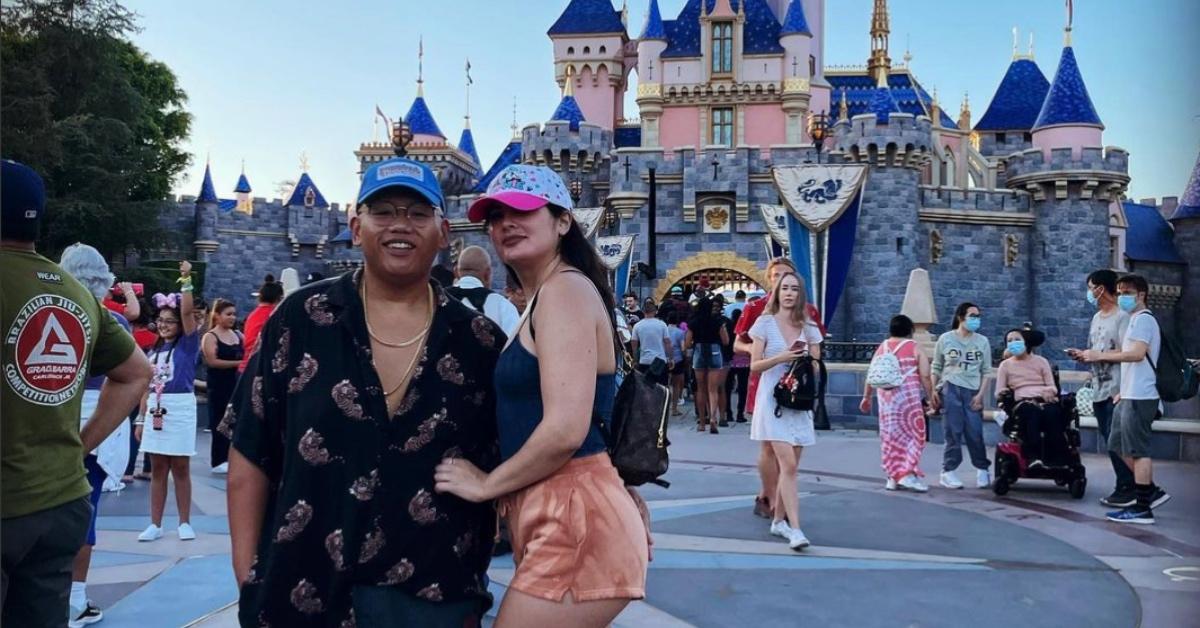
(1027, 391)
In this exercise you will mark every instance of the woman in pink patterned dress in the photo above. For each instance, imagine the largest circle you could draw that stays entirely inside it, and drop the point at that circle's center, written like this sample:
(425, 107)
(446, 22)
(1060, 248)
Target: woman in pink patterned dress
(901, 415)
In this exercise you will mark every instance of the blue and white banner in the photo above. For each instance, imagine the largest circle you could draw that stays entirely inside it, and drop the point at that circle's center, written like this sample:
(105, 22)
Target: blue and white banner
(615, 252)
(822, 219)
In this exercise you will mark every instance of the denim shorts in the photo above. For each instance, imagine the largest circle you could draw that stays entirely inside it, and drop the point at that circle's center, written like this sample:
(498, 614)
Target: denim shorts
(96, 477)
(707, 355)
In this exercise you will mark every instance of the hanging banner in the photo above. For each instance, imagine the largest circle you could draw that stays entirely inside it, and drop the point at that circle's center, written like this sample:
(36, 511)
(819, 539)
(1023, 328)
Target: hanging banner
(775, 218)
(817, 195)
(615, 252)
(773, 247)
(588, 219)
(822, 204)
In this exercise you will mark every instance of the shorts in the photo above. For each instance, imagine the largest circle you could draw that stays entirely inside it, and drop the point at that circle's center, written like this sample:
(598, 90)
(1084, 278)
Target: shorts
(577, 531)
(96, 477)
(707, 356)
(1130, 431)
(679, 369)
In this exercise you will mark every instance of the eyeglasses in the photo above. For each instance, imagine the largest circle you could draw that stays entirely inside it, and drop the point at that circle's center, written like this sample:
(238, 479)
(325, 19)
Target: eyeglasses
(385, 213)
(167, 321)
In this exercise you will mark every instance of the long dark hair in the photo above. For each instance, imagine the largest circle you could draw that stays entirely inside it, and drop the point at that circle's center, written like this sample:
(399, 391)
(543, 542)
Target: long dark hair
(578, 253)
(960, 313)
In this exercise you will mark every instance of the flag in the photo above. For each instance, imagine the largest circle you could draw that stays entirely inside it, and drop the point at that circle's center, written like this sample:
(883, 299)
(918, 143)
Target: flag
(379, 112)
(1070, 13)
(469, 81)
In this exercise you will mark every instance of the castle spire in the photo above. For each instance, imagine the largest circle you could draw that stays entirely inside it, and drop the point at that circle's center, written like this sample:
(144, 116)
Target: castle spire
(964, 114)
(515, 134)
(469, 83)
(879, 63)
(1070, 21)
(420, 66)
(843, 108)
(568, 84)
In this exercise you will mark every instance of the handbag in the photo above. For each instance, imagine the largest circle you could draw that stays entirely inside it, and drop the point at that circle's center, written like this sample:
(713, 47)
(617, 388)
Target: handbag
(637, 434)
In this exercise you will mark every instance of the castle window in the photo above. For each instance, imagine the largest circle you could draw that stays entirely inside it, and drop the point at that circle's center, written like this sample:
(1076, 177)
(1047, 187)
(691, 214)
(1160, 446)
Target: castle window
(1029, 138)
(722, 48)
(722, 126)
(812, 65)
(587, 50)
(1001, 138)
(603, 49)
(570, 50)
(310, 198)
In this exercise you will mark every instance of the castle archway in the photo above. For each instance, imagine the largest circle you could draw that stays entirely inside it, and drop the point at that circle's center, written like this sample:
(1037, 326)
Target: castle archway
(720, 267)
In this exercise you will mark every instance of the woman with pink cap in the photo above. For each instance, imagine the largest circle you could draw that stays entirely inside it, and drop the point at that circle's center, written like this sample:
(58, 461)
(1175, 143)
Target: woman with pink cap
(580, 538)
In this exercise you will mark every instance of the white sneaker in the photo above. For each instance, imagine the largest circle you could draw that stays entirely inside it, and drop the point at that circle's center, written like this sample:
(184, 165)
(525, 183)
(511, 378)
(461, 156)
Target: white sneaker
(911, 483)
(890, 486)
(221, 469)
(186, 533)
(949, 479)
(151, 533)
(796, 539)
(983, 479)
(780, 528)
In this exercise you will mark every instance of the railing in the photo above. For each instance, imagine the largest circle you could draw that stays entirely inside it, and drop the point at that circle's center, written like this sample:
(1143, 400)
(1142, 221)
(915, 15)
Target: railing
(848, 352)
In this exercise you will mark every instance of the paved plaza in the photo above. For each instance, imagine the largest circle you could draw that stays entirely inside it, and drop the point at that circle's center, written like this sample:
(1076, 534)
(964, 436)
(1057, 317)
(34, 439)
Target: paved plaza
(946, 558)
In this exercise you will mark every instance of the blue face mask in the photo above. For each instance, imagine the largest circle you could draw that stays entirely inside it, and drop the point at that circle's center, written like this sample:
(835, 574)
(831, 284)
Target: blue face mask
(1091, 297)
(1127, 302)
(1016, 347)
(972, 323)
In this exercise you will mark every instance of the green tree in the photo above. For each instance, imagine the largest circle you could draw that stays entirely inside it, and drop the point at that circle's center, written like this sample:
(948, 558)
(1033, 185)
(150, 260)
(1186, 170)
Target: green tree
(98, 118)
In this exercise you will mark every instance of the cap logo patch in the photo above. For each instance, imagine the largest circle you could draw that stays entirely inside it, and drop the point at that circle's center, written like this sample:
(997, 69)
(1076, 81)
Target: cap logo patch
(400, 170)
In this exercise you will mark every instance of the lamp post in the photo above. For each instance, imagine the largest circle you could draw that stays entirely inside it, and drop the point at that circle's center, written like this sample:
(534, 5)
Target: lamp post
(402, 136)
(818, 130)
(652, 227)
(575, 187)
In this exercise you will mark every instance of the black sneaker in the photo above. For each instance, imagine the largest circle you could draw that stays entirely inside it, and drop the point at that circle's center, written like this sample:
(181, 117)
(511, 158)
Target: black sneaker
(723, 423)
(1132, 514)
(90, 615)
(1159, 498)
(1120, 498)
(741, 419)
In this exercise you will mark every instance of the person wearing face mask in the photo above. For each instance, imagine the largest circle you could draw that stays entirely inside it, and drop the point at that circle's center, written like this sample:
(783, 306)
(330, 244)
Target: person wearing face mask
(1031, 381)
(1107, 329)
(961, 361)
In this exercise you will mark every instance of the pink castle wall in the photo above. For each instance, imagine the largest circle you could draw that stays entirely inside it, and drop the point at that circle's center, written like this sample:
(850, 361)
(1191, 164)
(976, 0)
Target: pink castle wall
(595, 97)
(679, 126)
(765, 125)
(1076, 137)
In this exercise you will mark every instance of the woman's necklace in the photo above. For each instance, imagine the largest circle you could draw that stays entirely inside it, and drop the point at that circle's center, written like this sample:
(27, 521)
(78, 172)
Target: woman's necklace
(412, 363)
(397, 345)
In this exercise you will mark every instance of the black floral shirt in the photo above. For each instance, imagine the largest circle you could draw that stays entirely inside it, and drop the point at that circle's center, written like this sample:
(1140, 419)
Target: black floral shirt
(352, 500)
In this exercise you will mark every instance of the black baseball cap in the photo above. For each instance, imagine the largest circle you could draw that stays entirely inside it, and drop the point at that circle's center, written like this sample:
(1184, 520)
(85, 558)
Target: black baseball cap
(22, 201)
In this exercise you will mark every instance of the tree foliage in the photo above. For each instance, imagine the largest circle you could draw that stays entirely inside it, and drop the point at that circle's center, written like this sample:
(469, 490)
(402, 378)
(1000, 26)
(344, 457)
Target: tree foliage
(99, 119)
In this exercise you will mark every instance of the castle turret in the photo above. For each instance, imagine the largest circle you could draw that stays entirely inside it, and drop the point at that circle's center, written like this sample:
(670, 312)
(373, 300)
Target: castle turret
(797, 42)
(1007, 124)
(308, 216)
(1072, 180)
(879, 61)
(650, 47)
(206, 217)
(589, 45)
(1186, 221)
(241, 192)
(570, 144)
(1067, 117)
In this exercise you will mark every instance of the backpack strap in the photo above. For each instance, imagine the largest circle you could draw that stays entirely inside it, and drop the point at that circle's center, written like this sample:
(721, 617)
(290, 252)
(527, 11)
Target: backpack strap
(1153, 366)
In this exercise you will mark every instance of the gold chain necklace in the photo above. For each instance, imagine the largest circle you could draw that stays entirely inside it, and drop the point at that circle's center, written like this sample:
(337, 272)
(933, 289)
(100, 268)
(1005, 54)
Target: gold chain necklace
(397, 345)
(408, 372)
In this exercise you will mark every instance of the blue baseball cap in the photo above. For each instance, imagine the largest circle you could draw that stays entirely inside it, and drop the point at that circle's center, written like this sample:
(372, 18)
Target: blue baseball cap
(22, 201)
(404, 174)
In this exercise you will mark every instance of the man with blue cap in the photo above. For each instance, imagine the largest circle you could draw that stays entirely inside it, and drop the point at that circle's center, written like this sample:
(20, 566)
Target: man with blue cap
(361, 384)
(55, 334)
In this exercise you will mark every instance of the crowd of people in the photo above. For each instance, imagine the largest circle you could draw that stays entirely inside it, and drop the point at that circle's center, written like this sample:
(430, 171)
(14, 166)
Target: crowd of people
(380, 429)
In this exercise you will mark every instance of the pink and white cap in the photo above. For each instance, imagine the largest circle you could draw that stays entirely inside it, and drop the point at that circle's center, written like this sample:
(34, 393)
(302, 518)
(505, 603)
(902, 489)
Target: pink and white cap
(524, 188)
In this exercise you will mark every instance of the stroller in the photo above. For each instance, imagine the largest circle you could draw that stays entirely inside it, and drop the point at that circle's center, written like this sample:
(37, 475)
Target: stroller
(1012, 458)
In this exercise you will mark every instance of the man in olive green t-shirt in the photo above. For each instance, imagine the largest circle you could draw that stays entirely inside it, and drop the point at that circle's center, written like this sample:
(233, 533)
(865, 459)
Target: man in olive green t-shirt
(55, 334)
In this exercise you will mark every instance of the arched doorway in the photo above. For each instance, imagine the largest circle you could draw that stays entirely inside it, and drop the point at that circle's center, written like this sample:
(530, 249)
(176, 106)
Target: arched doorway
(721, 268)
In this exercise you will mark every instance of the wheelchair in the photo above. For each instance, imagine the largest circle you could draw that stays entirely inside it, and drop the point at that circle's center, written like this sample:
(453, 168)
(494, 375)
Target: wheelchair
(1060, 456)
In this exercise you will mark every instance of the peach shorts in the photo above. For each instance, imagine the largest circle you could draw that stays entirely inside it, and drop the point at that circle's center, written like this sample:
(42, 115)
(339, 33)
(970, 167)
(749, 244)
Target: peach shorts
(578, 530)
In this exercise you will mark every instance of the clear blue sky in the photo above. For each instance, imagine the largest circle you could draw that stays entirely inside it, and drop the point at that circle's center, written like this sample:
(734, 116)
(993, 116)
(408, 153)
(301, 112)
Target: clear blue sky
(269, 79)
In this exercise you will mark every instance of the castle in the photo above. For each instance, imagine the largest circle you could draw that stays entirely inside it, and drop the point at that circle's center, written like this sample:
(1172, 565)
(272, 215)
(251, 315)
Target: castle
(1009, 212)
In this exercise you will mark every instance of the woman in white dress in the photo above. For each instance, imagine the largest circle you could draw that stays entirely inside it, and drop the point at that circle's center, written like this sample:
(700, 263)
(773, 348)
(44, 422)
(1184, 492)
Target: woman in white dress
(167, 425)
(781, 336)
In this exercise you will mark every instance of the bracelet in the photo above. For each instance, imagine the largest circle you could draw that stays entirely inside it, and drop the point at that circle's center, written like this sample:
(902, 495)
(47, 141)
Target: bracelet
(139, 423)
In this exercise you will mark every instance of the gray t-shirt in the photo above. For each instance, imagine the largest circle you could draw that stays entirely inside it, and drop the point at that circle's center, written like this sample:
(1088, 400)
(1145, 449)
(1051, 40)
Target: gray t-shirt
(650, 334)
(1105, 335)
(962, 361)
(1137, 378)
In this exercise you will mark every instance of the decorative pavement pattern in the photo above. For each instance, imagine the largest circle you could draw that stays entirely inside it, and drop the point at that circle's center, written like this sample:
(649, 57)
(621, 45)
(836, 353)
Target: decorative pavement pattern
(946, 558)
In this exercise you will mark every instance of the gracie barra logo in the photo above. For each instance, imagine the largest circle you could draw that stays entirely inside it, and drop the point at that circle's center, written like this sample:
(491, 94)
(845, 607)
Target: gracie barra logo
(400, 170)
(49, 342)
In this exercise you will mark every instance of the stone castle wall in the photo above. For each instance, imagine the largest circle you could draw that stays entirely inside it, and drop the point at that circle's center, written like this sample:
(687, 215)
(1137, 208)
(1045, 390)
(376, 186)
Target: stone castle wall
(1187, 242)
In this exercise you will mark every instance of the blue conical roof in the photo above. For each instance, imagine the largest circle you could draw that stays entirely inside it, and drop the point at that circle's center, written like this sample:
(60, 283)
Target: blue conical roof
(883, 104)
(794, 22)
(1018, 100)
(420, 119)
(654, 23)
(243, 185)
(1189, 205)
(569, 110)
(302, 187)
(466, 143)
(588, 17)
(208, 191)
(1068, 101)
(509, 156)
